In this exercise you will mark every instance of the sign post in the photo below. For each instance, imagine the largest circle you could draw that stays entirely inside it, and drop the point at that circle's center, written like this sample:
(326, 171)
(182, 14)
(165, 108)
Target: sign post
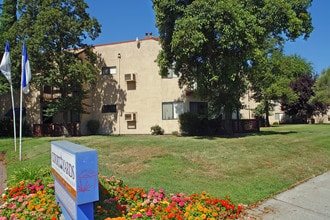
(75, 170)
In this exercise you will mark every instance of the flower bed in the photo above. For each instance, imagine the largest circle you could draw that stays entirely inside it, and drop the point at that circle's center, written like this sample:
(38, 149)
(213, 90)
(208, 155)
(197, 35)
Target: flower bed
(117, 201)
(135, 203)
(29, 201)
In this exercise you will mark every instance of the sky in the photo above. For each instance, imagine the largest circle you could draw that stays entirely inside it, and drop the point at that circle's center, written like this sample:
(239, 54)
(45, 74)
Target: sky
(123, 20)
(128, 19)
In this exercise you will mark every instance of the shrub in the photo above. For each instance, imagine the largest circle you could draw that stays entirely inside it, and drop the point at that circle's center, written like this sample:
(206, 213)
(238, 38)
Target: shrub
(7, 129)
(30, 175)
(176, 133)
(157, 130)
(93, 126)
(193, 124)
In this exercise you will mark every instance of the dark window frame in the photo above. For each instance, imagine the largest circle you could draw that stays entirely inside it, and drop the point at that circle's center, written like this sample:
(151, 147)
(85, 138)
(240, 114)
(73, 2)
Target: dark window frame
(106, 70)
(109, 109)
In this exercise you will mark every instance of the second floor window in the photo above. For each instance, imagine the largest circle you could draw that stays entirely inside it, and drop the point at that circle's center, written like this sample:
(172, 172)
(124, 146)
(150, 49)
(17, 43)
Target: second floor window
(109, 70)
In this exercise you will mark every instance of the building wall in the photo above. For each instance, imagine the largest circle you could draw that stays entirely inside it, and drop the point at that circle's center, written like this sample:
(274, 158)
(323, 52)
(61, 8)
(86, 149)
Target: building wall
(30, 102)
(275, 116)
(143, 97)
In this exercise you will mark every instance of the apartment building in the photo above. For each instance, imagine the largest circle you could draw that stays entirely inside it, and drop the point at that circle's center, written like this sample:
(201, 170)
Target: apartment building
(130, 96)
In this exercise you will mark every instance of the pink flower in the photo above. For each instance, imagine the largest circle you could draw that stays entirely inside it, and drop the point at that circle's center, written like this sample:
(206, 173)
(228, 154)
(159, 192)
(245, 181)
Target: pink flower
(12, 206)
(137, 216)
(149, 213)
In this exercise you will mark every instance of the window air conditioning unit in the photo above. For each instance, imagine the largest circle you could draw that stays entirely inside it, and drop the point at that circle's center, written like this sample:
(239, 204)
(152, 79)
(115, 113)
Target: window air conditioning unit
(130, 116)
(130, 77)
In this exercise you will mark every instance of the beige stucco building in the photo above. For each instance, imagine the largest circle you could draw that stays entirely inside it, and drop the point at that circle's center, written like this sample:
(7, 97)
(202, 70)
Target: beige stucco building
(130, 96)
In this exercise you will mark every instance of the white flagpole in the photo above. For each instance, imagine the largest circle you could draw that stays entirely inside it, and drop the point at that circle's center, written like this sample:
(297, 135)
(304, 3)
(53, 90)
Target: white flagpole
(5, 68)
(25, 79)
(20, 122)
(14, 113)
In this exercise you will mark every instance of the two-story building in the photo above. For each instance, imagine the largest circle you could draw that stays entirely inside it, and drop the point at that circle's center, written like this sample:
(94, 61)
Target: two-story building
(130, 96)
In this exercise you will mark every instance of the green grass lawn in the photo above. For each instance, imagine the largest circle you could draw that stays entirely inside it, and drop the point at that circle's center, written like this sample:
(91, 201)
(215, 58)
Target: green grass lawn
(249, 168)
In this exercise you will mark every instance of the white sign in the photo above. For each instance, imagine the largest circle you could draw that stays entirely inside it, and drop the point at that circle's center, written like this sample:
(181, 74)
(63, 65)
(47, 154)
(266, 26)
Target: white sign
(64, 164)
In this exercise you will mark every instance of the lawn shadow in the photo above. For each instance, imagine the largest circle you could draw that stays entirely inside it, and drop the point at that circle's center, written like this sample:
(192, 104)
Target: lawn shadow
(247, 134)
(264, 133)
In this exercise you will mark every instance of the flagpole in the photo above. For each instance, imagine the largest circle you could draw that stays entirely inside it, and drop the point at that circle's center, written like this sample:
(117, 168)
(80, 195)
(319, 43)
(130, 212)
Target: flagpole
(20, 122)
(5, 69)
(14, 113)
(25, 79)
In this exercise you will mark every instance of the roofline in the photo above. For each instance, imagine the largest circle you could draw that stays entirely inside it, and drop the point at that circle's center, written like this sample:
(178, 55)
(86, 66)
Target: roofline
(127, 41)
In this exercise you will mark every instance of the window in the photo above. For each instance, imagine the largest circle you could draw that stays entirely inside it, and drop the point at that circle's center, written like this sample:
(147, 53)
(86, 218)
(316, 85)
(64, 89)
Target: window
(198, 107)
(172, 110)
(170, 74)
(131, 125)
(48, 90)
(278, 116)
(109, 108)
(109, 70)
(75, 116)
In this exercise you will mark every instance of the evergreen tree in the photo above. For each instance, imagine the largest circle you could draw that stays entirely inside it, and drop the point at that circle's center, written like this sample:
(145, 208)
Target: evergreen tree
(7, 20)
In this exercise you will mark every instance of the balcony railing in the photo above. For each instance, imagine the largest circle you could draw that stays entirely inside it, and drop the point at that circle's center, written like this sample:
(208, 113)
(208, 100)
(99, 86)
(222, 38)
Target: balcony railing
(55, 130)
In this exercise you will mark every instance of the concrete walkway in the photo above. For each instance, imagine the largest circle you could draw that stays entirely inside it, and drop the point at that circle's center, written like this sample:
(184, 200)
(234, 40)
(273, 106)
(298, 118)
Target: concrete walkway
(3, 177)
(307, 201)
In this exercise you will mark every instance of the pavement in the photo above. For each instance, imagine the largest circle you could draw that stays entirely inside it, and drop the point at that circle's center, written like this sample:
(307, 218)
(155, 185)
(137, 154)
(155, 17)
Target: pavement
(307, 201)
(3, 177)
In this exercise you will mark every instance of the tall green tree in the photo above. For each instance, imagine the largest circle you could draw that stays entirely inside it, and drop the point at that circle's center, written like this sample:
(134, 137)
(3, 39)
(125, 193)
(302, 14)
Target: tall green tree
(213, 42)
(321, 99)
(55, 32)
(7, 20)
(270, 80)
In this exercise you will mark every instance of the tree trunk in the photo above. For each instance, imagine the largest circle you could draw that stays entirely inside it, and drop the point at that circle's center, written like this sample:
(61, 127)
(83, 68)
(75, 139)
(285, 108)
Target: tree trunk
(65, 123)
(228, 122)
(267, 124)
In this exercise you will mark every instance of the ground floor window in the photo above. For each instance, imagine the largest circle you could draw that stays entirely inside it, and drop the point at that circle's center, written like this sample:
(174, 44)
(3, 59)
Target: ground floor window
(278, 116)
(75, 117)
(172, 110)
(109, 108)
(198, 107)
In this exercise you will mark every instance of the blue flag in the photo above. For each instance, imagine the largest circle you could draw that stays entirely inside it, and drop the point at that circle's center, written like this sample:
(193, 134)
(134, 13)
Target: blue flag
(5, 63)
(26, 71)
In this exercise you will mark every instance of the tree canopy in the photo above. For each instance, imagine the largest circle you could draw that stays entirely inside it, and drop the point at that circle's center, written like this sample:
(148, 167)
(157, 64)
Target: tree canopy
(321, 99)
(301, 109)
(212, 43)
(54, 32)
(7, 20)
(270, 81)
